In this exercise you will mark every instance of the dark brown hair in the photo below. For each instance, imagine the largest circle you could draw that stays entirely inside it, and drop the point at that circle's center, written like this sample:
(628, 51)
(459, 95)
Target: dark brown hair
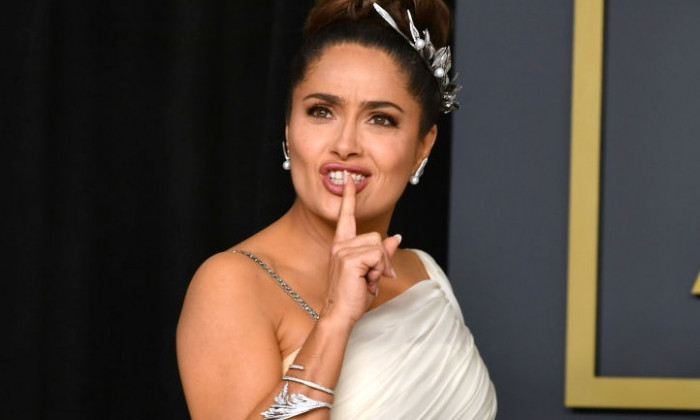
(333, 22)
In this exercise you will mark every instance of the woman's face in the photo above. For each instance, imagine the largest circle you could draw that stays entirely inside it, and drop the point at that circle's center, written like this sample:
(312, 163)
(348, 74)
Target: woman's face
(353, 112)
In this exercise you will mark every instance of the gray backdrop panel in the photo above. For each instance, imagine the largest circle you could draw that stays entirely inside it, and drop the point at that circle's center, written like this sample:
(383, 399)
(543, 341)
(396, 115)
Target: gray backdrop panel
(509, 194)
(650, 323)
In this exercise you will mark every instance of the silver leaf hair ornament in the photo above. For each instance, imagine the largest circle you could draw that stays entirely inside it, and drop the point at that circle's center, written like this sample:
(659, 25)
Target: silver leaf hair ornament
(439, 61)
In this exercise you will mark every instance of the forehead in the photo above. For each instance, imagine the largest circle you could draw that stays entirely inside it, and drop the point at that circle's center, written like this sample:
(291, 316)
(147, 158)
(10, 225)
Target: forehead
(351, 70)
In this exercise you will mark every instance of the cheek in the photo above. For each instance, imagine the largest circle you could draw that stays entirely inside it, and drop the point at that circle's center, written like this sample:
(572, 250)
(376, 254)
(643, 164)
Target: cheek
(398, 160)
(302, 150)
(305, 154)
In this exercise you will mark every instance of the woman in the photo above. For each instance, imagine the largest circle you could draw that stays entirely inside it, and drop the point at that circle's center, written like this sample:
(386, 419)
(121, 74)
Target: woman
(321, 314)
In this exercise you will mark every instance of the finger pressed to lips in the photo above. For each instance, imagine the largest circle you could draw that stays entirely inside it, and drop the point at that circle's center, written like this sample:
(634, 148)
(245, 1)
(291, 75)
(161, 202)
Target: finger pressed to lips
(346, 227)
(368, 247)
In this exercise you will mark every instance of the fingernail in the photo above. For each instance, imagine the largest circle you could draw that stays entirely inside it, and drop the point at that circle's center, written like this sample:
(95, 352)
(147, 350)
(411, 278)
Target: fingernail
(393, 273)
(376, 292)
(399, 237)
(345, 177)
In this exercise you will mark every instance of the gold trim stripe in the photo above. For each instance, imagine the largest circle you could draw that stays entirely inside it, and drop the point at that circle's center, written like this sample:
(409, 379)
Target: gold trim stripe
(583, 387)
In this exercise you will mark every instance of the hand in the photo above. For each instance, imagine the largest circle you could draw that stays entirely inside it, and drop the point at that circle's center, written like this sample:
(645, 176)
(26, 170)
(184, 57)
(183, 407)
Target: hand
(357, 262)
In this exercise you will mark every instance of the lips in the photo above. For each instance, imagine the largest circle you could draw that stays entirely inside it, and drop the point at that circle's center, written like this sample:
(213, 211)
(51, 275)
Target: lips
(333, 173)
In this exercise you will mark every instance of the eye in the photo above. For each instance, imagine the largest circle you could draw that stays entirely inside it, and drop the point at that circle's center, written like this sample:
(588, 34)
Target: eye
(319, 111)
(383, 120)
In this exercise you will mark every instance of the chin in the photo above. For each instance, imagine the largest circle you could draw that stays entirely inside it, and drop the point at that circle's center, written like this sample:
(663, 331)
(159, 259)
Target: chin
(330, 211)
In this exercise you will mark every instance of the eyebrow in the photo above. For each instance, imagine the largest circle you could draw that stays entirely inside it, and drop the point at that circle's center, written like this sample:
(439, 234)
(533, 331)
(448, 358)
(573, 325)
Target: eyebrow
(333, 99)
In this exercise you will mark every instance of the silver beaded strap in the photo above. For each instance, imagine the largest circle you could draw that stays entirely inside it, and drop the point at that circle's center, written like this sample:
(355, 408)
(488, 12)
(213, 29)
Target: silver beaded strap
(291, 405)
(281, 283)
(309, 384)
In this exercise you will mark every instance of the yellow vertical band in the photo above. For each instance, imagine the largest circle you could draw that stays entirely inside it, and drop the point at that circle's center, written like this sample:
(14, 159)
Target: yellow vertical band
(583, 387)
(584, 196)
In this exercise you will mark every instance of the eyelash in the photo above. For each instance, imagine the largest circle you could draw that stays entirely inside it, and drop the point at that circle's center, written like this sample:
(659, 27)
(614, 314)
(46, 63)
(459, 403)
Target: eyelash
(389, 121)
(314, 111)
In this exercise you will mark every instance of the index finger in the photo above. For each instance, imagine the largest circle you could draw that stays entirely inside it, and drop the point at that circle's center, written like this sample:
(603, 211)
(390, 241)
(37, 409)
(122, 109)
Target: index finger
(346, 227)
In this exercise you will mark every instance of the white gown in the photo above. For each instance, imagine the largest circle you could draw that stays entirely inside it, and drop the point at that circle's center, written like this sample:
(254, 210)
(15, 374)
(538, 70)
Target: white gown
(413, 358)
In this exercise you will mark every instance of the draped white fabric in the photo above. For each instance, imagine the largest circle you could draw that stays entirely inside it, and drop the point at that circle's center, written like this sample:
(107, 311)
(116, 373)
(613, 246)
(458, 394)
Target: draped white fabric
(413, 358)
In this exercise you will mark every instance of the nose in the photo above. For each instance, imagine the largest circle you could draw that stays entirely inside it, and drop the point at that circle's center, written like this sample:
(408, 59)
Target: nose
(347, 141)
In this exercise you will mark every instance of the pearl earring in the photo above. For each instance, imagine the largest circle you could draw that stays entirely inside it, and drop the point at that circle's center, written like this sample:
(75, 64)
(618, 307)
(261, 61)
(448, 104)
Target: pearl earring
(286, 165)
(415, 178)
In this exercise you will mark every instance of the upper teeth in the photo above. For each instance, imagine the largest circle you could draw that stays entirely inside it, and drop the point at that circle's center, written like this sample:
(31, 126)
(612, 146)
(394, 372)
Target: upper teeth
(337, 177)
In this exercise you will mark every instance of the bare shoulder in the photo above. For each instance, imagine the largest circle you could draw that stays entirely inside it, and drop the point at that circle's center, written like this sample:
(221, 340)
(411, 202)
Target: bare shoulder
(225, 269)
(227, 282)
(222, 272)
(231, 285)
(411, 265)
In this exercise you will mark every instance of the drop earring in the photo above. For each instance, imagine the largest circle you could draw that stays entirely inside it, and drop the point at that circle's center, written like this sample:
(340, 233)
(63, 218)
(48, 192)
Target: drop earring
(415, 178)
(286, 165)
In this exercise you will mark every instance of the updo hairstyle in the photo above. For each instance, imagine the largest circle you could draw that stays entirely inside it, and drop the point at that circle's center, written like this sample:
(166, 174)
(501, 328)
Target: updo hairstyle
(333, 22)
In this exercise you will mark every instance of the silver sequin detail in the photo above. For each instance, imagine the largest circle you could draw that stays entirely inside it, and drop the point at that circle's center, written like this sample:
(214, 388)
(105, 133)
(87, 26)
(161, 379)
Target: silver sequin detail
(281, 283)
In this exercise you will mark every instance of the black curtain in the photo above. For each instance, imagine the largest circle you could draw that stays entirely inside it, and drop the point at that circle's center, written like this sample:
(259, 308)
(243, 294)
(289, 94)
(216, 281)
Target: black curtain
(138, 139)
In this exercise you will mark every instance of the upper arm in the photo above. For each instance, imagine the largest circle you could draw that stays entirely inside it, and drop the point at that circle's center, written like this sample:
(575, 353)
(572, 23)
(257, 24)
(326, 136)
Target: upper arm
(228, 354)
